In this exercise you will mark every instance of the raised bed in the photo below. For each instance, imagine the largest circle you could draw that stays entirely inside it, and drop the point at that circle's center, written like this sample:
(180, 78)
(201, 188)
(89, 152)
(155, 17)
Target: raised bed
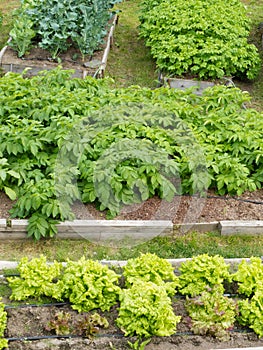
(9, 61)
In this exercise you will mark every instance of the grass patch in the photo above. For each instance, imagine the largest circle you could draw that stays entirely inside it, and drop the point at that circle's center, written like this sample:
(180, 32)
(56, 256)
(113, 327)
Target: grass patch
(6, 8)
(180, 246)
(130, 62)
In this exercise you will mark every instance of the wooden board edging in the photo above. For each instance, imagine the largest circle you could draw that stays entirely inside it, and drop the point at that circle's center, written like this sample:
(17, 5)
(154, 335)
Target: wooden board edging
(136, 229)
(174, 262)
(252, 227)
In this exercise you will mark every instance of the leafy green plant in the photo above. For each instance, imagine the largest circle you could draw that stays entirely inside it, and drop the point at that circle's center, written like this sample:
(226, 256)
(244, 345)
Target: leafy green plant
(212, 313)
(146, 310)
(150, 268)
(201, 38)
(37, 278)
(249, 276)
(251, 312)
(22, 35)
(60, 24)
(61, 323)
(3, 321)
(89, 285)
(202, 272)
(139, 344)
(66, 139)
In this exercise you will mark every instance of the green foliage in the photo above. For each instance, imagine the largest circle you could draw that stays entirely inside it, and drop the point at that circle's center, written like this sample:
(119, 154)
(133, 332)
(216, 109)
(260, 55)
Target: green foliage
(212, 313)
(202, 272)
(146, 310)
(66, 139)
(22, 35)
(3, 321)
(37, 278)
(139, 344)
(89, 285)
(63, 23)
(1, 19)
(204, 38)
(249, 276)
(251, 312)
(151, 268)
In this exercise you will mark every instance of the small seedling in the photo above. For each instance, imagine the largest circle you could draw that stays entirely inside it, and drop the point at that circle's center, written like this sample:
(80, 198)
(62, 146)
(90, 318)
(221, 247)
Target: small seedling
(60, 324)
(90, 324)
(138, 344)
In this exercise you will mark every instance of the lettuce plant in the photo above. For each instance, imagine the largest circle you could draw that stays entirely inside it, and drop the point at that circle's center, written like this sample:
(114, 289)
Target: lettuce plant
(89, 285)
(251, 312)
(3, 321)
(202, 272)
(249, 276)
(212, 313)
(151, 268)
(146, 310)
(37, 278)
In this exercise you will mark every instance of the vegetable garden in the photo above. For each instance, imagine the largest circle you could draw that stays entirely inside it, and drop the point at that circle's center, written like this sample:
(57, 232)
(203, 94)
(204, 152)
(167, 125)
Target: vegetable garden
(65, 139)
(54, 149)
(201, 38)
(57, 25)
(219, 299)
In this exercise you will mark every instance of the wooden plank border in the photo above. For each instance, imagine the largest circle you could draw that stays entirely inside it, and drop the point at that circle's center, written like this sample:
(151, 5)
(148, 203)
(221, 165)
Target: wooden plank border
(134, 229)
(254, 227)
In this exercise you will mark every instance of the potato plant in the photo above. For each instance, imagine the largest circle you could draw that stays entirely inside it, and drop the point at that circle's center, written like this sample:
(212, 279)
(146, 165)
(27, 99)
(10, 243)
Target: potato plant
(66, 139)
(205, 39)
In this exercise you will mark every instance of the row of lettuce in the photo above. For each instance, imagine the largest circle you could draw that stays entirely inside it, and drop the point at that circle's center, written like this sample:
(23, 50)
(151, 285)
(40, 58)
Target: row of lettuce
(148, 290)
(206, 39)
(65, 139)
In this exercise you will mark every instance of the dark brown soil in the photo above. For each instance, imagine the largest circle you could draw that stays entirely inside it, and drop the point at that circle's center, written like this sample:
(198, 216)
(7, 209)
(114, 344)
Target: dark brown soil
(33, 321)
(183, 209)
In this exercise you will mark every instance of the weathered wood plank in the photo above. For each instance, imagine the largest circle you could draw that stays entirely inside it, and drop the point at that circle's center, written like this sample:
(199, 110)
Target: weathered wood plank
(2, 225)
(197, 226)
(241, 227)
(101, 230)
(95, 230)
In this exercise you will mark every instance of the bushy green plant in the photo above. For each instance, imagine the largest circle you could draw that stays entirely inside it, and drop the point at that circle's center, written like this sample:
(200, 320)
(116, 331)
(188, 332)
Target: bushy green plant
(204, 38)
(251, 312)
(202, 272)
(89, 285)
(65, 139)
(249, 276)
(3, 322)
(37, 279)
(22, 35)
(150, 268)
(212, 313)
(62, 23)
(146, 310)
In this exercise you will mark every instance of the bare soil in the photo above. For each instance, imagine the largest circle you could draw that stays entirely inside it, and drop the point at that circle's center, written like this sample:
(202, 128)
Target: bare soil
(182, 209)
(32, 322)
